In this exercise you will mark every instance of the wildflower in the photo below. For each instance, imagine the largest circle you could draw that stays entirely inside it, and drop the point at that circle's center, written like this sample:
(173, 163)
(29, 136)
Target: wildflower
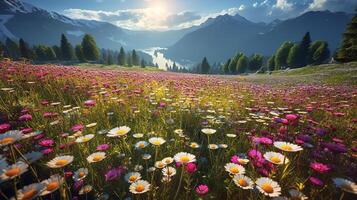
(52, 184)
(13, 171)
(316, 181)
(146, 156)
(286, 146)
(262, 140)
(96, 157)
(169, 171)
(77, 127)
(25, 117)
(60, 161)
(30, 192)
(85, 189)
(90, 103)
(276, 158)
(138, 135)
(114, 173)
(157, 141)
(131, 177)
(139, 187)
(10, 137)
(345, 185)
(47, 143)
(233, 168)
(231, 135)
(208, 131)
(213, 146)
(243, 182)
(159, 164)
(80, 174)
(320, 167)
(202, 189)
(85, 138)
(4, 127)
(268, 187)
(184, 158)
(191, 167)
(167, 160)
(141, 144)
(119, 131)
(194, 145)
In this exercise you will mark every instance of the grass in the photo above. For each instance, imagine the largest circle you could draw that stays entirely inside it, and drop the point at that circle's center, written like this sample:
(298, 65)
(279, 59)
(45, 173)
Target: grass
(119, 67)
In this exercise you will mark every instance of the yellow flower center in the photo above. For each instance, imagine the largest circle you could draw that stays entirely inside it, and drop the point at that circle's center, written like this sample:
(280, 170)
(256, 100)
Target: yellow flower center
(275, 159)
(7, 140)
(132, 178)
(160, 165)
(141, 145)
(121, 132)
(97, 158)
(29, 194)
(185, 159)
(52, 186)
(13, 172)
(234, 170)
(156, 142)
(61, 162)
(167, 161)
(286, 147)
(81, 174)
(140, 188)
(242, 183)
(267, 188)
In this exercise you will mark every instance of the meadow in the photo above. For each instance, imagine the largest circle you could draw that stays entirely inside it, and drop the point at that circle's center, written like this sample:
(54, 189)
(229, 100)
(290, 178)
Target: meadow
(70, 132)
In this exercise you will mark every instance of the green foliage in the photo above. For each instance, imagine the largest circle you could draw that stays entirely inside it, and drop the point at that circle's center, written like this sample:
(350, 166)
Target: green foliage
(321, 54)
(2, 50)
(135, 58)
(24, 49)
(57, 51)
(11, 49)
(294, 56)
(282, 55)
(143, 63)
(129, 61)
(44, 53)
(89, 48)
(67, 52)
(79, 53)
(233, 63)
(255, 62)
(242, 64)
(205, 67)
(121, 57)
(226, 67)
(304, 50)
(271, 63)
(348, 50)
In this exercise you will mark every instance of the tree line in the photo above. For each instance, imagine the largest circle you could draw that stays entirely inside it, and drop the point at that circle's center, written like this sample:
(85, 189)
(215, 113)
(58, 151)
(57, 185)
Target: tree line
(86, 51)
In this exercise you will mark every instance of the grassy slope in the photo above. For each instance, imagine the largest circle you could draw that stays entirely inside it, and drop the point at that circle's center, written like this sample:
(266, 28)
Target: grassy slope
(101, 66)
(327, 73)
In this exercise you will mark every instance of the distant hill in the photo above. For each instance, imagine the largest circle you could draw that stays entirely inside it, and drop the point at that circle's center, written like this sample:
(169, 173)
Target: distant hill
(225, 35)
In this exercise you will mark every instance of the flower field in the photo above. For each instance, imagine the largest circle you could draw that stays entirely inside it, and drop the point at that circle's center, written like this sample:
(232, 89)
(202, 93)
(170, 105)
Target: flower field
(76, 133)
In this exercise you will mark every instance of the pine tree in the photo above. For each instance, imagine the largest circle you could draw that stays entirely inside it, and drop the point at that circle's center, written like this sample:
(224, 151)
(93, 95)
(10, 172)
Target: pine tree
(282, 55)
(304, 48)
(135, 58)
(57, 51)
(143, 63)
(348, 50)
(121, 57)
(129, 61)
(174, 67)
(226, 67)
(89, 48)
(293, 57)
(255, 62)
(50, 54)
(67, 52)
(110, 57)
(271, 63)
(205, 67)
(24, 49)
(242, 64)
(11, 49)
(321, 54)
(79, 53)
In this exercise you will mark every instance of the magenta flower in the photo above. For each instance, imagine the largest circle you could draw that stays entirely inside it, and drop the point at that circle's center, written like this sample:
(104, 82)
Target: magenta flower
(77, 127)
(202, 189)
(291, 117)
(316, 181)
(46, 142)
(255, 154)
(114, 173)
(25, 117)
(234, 159)
(262, 140)
(320, 167)
(102, 147)
(191, 168)
(47, 151)
(4, 127)
(90, 103)
(26, 130)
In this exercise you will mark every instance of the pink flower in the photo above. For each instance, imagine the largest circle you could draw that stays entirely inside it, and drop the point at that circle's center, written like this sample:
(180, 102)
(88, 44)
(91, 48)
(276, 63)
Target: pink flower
(316, 181)
(235, 159)
(46, 142)
(262, 140)
(320, 167)
(26, 130)
(77, 127)
(90, 103)
(47, 151)
(103, 147)
(202, 189)
(25, 117)
(291, 117)
(4, 127)
(191, 168)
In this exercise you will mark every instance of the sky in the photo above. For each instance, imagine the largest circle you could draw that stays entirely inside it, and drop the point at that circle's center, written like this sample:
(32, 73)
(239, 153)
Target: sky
(178, 14)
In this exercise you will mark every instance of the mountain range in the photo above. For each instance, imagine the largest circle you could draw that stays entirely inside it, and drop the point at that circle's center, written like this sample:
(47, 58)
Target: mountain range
(218, 38)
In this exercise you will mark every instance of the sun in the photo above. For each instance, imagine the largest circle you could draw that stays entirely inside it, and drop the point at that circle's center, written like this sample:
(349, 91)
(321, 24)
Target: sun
(159, 8)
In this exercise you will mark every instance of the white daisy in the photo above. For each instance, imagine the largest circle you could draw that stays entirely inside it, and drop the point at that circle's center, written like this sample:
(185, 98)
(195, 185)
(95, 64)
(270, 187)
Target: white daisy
(30, 192)
(13, 171)
(268, 187)
(194, 145)
(276, 158)
(346, 185)
(169, 171)
(157, 141)
(52, 184)
(141, 144)
(286, 146)
(208, 131)
(159, 164)
(84, 138)
(10, 137)
(96, 157)
(139, 187)
(80, 174)
(119, 131)
(184, 158)
(132, 177)
(60, 161)
(167, 160)
(85, 189)
(243, 182)
(233, 168)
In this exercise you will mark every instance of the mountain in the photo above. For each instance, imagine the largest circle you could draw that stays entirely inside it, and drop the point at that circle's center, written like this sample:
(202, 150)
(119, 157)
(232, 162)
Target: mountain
(226, 35)
(38, 26)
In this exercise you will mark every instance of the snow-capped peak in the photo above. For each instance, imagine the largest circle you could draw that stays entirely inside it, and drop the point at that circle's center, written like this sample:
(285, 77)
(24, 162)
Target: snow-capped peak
(14, 6)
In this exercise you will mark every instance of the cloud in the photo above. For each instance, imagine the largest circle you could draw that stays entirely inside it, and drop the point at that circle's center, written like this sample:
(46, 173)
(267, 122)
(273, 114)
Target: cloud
(182, 17)
(332, 5)
(283, 5)
(241, 7)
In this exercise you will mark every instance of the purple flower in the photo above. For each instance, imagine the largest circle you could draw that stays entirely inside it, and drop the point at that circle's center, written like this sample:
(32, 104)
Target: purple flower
(262, 140)
(202, 189)
(320, 167)
(255, 154)
(337, 148)
(291, 117)
(78, 184)
(103, 147)
(316, 181)
(114, 173)
(4, 127)
(47, 151)
(25, 117)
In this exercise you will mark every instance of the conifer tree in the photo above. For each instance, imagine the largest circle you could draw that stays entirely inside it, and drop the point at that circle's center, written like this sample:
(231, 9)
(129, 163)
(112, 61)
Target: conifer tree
(348, 50)
(271, 63)
(24, 49)
(79, 53)
(242, 64)
(89, 48)
(205, 67)
(121, 57)
(135, 58)
(67, 52)
(282, 55)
